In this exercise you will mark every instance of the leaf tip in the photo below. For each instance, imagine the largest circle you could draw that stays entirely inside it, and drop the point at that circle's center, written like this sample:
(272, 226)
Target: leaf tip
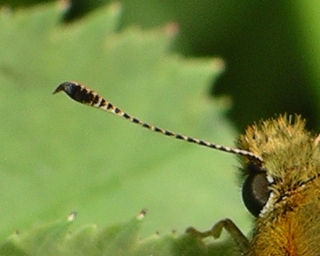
(64, 4)
(219, 64)
(72, 216)
(172, 29)
(142, 214)
(115, 6)
(5, 10)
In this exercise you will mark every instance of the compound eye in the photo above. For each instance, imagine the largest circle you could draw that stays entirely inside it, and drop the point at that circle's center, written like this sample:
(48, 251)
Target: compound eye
(255, 192)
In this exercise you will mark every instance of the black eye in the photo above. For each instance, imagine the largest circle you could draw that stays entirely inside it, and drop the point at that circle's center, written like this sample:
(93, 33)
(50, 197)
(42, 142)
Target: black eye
(255, 192)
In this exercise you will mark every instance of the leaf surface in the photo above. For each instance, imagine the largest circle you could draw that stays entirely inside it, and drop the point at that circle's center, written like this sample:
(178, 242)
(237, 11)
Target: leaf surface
(59, 156)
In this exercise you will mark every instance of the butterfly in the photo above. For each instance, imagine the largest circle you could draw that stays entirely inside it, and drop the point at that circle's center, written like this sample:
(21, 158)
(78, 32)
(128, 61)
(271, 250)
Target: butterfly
(280, 163)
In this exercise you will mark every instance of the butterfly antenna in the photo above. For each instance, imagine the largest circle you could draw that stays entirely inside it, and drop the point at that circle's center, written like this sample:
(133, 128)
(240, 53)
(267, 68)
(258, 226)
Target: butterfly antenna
(84, 95)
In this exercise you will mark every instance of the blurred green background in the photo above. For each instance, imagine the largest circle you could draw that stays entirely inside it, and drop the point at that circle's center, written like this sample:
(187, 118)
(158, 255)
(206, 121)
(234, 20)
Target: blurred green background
(271, 48)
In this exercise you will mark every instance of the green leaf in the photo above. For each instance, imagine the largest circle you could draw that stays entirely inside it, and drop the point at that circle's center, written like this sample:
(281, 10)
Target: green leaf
(59, 156)
(119, 239)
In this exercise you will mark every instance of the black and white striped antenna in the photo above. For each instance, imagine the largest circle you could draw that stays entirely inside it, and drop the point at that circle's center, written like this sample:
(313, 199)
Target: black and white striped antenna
(84, 95)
